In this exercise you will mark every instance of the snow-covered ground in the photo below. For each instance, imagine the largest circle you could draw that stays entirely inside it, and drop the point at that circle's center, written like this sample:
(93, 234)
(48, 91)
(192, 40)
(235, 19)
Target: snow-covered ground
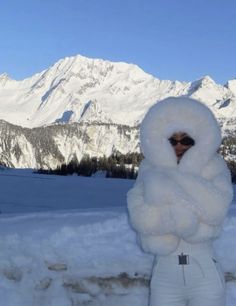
(66, 241)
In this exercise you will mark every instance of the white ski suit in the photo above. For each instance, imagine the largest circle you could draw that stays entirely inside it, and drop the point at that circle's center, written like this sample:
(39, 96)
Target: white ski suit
(178, 208)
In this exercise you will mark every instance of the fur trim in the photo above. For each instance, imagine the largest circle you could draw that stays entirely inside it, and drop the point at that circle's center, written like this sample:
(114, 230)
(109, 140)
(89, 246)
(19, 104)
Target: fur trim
(180, 114)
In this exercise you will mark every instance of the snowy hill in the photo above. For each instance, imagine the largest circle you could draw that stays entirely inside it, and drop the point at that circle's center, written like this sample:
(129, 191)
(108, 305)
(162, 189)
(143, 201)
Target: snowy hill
(66, 241)
(90, 106)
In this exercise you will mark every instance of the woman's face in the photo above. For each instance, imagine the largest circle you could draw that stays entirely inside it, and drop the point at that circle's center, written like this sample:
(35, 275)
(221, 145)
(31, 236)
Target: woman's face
(181, 142)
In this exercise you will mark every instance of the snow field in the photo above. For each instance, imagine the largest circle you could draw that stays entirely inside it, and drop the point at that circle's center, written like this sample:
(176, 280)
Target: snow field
(62, 255)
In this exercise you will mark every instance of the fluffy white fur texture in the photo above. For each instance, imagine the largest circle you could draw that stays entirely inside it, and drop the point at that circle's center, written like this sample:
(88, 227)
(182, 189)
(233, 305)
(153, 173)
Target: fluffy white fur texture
(172, 201)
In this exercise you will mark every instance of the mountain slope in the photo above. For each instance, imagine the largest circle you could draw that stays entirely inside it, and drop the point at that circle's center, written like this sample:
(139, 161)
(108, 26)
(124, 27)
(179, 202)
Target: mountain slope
(51, 146)
(79, 89)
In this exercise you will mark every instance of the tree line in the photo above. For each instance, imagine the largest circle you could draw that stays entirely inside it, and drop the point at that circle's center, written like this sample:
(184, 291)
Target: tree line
(228, 151)
(115, 166)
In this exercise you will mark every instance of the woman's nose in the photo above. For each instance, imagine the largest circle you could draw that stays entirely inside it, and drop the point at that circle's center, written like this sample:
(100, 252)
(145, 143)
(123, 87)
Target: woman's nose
(178, 145)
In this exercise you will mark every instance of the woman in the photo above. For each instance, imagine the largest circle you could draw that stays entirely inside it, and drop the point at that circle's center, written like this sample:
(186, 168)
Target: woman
(179, 202)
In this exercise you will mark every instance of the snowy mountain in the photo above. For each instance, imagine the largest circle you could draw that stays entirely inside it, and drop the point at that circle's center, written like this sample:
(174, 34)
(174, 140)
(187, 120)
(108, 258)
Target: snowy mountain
(79, 89)
(49, 111)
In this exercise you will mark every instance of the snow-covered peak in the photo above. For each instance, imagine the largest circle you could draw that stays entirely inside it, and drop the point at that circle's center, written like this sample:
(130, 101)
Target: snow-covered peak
(4, 77)
(84, 67)
(210, 93)
(207, 80)
(231, 85)
(204, 82)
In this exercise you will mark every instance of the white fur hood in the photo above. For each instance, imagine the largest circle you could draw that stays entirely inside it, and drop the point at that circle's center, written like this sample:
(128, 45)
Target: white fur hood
(179, 115)
(172, 201)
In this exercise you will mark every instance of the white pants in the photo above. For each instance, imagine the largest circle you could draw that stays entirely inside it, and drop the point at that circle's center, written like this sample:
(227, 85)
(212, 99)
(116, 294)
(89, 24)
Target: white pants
(198, 283)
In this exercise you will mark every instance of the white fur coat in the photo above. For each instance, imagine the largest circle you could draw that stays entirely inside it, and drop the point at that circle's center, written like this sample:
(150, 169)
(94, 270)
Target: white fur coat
(189, 200)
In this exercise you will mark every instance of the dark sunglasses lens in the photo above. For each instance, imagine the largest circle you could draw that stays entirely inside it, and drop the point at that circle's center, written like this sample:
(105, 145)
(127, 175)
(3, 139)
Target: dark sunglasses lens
(187, 141)
(173, 141)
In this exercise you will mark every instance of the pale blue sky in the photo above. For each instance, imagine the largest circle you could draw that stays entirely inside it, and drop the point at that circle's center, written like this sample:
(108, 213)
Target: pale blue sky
(170, 39)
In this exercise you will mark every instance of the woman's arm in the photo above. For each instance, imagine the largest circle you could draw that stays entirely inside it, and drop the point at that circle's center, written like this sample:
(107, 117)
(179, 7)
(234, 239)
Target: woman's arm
(158, 206)
(210, 198)
(147, 219)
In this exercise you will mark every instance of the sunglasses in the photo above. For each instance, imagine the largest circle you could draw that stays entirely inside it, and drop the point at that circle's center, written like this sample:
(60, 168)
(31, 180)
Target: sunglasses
(186, 141)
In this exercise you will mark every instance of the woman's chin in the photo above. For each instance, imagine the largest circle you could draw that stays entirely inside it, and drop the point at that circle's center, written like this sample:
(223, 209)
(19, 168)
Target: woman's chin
(179, 156)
